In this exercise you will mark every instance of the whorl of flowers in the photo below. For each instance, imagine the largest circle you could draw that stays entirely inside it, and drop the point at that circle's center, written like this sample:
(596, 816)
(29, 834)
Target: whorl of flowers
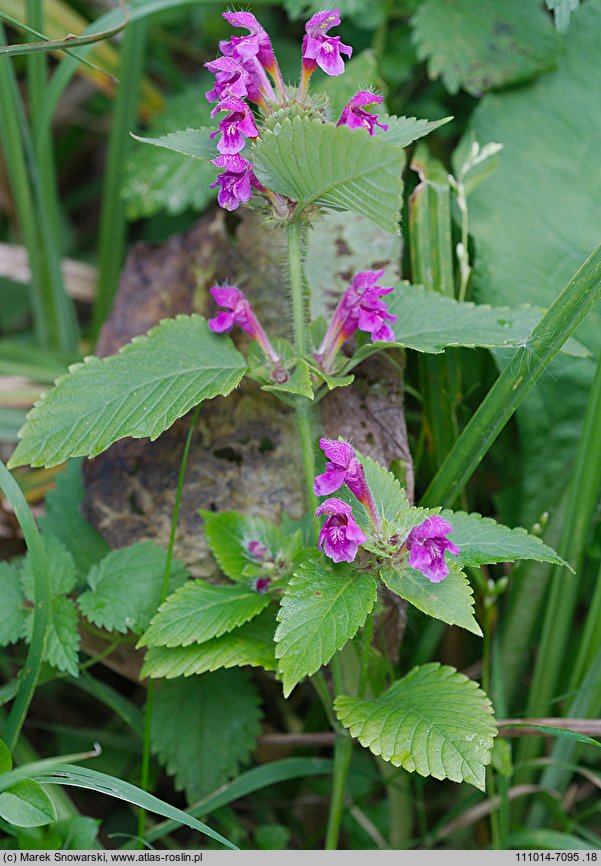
(248, 72)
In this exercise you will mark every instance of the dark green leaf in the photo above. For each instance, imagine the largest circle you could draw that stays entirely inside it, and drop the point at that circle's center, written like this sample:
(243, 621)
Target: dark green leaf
(12, 613)
(60, 565)
(62, 636)
(6, 761)
(203, 729)
(485, 45)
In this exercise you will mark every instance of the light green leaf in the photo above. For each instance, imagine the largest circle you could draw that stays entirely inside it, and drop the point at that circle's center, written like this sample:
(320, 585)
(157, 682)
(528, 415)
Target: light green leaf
(451, 600)
(434, 722)
(429, 322)
(390, 498)
(139, 392)
(199, 611)
(203, 729)
(6, 761)
(26, 804)
(191, 142)
(64, 519)
(298, 383)
(12, 612)
(547, 840)
(228, 534)
(61, 568)
(403, 131)
(250, 644)
(485, 45)
(484, 541)
(318, 163)
(126, 586)
(159, 181)
(323, 606)
(531, 236)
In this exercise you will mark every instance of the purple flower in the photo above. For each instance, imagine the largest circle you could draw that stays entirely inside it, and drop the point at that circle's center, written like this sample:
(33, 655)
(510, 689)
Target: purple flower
(236, 127)
(426, 544)
(343, 467)
(256, 548)
(262, 584)
(239, 312)
(236, 182)
(231, 79)
(255, 44)
(321, 50)
(360, 308)
(340, 536)
(355, 116)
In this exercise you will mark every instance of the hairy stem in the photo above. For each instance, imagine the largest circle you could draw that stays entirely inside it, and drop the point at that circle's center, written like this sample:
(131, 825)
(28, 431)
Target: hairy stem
(145, 768)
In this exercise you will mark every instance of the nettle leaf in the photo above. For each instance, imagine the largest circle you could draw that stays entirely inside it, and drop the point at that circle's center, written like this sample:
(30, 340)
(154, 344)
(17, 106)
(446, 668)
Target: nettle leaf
(191, 142)
(26, 804)
(323, 606)
(171, 182)
(126, 586)
(13, 615)
(203, 729)
(451, 600)
(298, 383)
(389, 496)
(250, 644)
(139, 392)
(484, 541)
(228, 534)
(199, 611)
(429, 322)
(60, 566)
(64, 520)
(435, 721)
(318, 163)
(62, 636)
(403, 131)
(485, 45)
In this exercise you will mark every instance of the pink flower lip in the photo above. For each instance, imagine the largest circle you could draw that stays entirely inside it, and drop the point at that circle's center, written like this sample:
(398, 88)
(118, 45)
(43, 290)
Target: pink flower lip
(340, 536)
(427, 544)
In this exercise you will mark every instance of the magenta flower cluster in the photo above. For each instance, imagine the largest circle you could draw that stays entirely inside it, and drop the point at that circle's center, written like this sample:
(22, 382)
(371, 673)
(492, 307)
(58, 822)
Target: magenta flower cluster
(361, 308)
(340, 536)
(248, 72)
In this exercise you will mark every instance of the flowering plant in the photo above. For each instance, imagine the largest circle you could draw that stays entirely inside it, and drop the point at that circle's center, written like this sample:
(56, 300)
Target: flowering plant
(299, 592)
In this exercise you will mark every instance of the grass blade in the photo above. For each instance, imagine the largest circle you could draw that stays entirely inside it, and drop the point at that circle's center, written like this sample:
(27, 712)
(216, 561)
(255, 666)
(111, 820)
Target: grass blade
(571, 306)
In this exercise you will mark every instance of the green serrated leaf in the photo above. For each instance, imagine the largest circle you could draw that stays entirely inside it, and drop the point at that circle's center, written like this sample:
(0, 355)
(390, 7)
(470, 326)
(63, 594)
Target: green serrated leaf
(191, 142)
(203, 729)
(228, 534)
(331, 381)
(485, 45)
(62, 636)
(126, 586)
(403, 131)
(429, 322)
(159, 181)
(483, 541)
(26, 804)
(250, 644)
(63, 518)
(390, 498)
(199, 611)
(323, 606)
(139, 392)
(435, 721)
(61, 568)
(13, 615)
(6, 761)
(451, 600)
(318, 163)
